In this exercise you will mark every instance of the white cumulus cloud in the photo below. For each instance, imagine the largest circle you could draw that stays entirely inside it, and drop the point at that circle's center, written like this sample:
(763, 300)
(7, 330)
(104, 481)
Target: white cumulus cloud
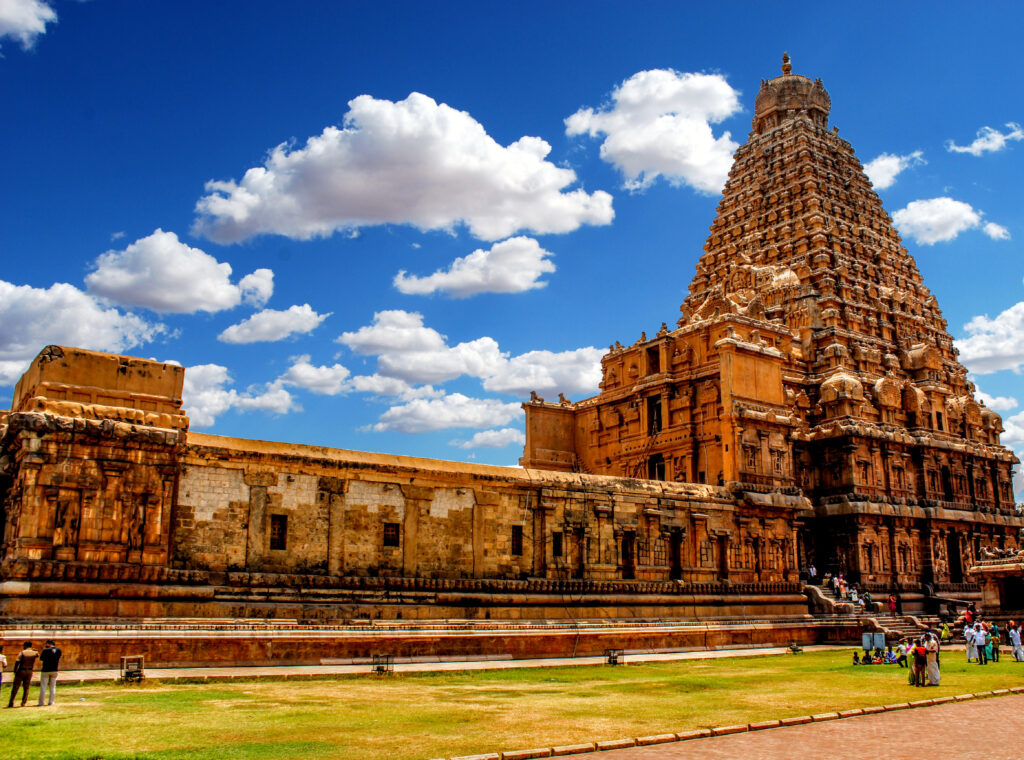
(659, 124)
(883, 170)
(206, 395)
(996, 231)
(451, 411)
(412, 162)
(511, 266)
(1013, 437)
(409, 350)
(936, 220)
(997, 403)
(32, 318)
(271, 325)
(24, 20)
(994, 344)
(379, 385)
(493, 439)
(161, 273)
(570, 372)
(988, 140)
(329, 381)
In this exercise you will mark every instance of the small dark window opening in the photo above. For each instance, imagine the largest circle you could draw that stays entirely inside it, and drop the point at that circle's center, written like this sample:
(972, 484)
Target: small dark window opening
(654, 414)
(556, 544)
(701, 477)
(278, 532)
(656, 467)
(653, 360)
(391, 534)
(517, 540)
(938, 421)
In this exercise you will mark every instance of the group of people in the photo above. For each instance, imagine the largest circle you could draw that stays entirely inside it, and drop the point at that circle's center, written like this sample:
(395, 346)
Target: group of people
(24, 666)
(920, 656)
(847, 591)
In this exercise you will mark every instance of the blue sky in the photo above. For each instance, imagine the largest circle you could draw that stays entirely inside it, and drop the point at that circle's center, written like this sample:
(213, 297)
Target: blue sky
(529, 240)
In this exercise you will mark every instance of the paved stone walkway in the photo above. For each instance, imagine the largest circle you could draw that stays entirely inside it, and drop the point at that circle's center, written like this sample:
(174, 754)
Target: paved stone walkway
(981, 728)
(419, 666)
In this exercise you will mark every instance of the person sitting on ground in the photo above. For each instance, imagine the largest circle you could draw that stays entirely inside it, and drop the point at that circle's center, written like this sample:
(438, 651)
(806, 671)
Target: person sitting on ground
(856, 657)
(890, 656)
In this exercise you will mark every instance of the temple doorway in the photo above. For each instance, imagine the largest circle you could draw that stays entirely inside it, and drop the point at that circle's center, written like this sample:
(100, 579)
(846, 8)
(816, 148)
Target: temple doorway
(956, 563)
(629, 555)
(675, 554)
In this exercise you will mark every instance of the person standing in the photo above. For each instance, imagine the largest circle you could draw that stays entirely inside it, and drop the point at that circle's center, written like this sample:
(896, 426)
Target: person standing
(50, 656)
(23, 667)
(932, 660)
(969, 641)
(812, 571)
(1018, 652)
(994, 630)
(979, 643)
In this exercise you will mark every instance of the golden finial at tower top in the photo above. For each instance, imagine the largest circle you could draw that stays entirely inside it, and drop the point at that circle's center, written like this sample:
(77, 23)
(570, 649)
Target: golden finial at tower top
(786, 66)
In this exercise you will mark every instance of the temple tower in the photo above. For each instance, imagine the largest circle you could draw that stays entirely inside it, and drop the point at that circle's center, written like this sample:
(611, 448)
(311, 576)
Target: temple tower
(810, 358)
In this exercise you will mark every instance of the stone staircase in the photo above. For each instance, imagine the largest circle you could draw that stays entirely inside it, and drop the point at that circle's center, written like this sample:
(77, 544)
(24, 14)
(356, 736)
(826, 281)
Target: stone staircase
(900, 626)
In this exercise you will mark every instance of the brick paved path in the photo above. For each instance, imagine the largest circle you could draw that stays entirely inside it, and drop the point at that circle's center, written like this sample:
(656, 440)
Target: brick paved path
(981, 728)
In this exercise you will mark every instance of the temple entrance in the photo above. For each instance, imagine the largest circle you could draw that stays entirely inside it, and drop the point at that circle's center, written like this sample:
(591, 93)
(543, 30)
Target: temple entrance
(629, 555)
(1011, 593)
(675, 554)
(956, 562)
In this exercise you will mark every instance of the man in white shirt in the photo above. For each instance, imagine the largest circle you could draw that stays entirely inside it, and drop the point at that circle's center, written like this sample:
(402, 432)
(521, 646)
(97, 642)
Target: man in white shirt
(1018, 652)
(969, 639)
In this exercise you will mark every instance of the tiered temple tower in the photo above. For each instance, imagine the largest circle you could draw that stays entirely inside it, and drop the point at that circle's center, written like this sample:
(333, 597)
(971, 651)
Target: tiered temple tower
(809, 359)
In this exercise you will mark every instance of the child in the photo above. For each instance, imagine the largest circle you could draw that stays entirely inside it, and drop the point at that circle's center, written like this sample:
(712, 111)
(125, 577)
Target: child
(856, 658)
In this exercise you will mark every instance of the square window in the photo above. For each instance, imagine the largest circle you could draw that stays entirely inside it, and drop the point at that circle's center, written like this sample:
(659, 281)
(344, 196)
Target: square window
(391, 534)
(278, 532)
(517, 540)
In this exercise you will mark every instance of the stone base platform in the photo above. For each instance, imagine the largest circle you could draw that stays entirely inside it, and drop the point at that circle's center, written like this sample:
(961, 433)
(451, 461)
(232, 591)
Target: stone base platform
(194, 642)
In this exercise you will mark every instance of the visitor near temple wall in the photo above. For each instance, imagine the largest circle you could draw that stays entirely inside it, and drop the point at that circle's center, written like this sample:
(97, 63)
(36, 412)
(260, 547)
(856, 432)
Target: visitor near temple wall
(892, 604)
(932, 660)
(994, 633)
(1018, 652)
(920, 662)
(812, 571)
(50, 657)
(945, 634)
(979, 643)
(969, 642)
(23, 667)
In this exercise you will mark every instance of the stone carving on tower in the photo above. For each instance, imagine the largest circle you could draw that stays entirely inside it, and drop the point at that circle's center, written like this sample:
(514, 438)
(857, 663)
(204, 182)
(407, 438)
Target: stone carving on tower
(809, 358)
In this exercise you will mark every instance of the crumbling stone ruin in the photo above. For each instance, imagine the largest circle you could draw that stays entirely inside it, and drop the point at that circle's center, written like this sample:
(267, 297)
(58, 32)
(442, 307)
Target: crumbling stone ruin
(807, 408)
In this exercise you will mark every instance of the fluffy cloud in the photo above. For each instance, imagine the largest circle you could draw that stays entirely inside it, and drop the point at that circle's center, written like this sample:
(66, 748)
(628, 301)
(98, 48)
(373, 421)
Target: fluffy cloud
(511, 266)
(988, 140)
(31, 318)
(994, 344)
(206, 396)
(451, 411)
(161, 273)
(997, 403)
(1014, 438)
(569, 372)
(271, 325)
(659, 124)
(336, 380)
(936, 220)
(883, 170)
(996, 231)
(408, 350)
(24, 20)
(329, 381)
(493, 439)
(411, 162)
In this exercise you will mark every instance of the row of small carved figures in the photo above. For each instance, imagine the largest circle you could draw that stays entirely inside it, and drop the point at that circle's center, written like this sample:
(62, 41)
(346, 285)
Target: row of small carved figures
(989, 553)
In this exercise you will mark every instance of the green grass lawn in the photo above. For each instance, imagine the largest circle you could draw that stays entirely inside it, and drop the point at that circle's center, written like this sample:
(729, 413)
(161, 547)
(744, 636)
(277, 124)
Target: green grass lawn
(444, 714)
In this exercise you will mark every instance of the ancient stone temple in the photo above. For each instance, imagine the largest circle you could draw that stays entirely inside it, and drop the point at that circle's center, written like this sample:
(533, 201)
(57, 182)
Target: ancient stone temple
(809, 359)
(807, 407)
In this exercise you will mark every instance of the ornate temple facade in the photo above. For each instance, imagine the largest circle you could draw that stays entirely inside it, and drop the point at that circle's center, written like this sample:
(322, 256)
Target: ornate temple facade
(810, 359)
(807, 407)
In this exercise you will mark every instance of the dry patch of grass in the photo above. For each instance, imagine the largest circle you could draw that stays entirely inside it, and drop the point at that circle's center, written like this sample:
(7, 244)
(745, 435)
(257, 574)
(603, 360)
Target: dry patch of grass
(429, 715)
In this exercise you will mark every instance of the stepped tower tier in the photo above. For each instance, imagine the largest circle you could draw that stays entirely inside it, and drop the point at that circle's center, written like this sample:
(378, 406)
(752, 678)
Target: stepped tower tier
(809, 359)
